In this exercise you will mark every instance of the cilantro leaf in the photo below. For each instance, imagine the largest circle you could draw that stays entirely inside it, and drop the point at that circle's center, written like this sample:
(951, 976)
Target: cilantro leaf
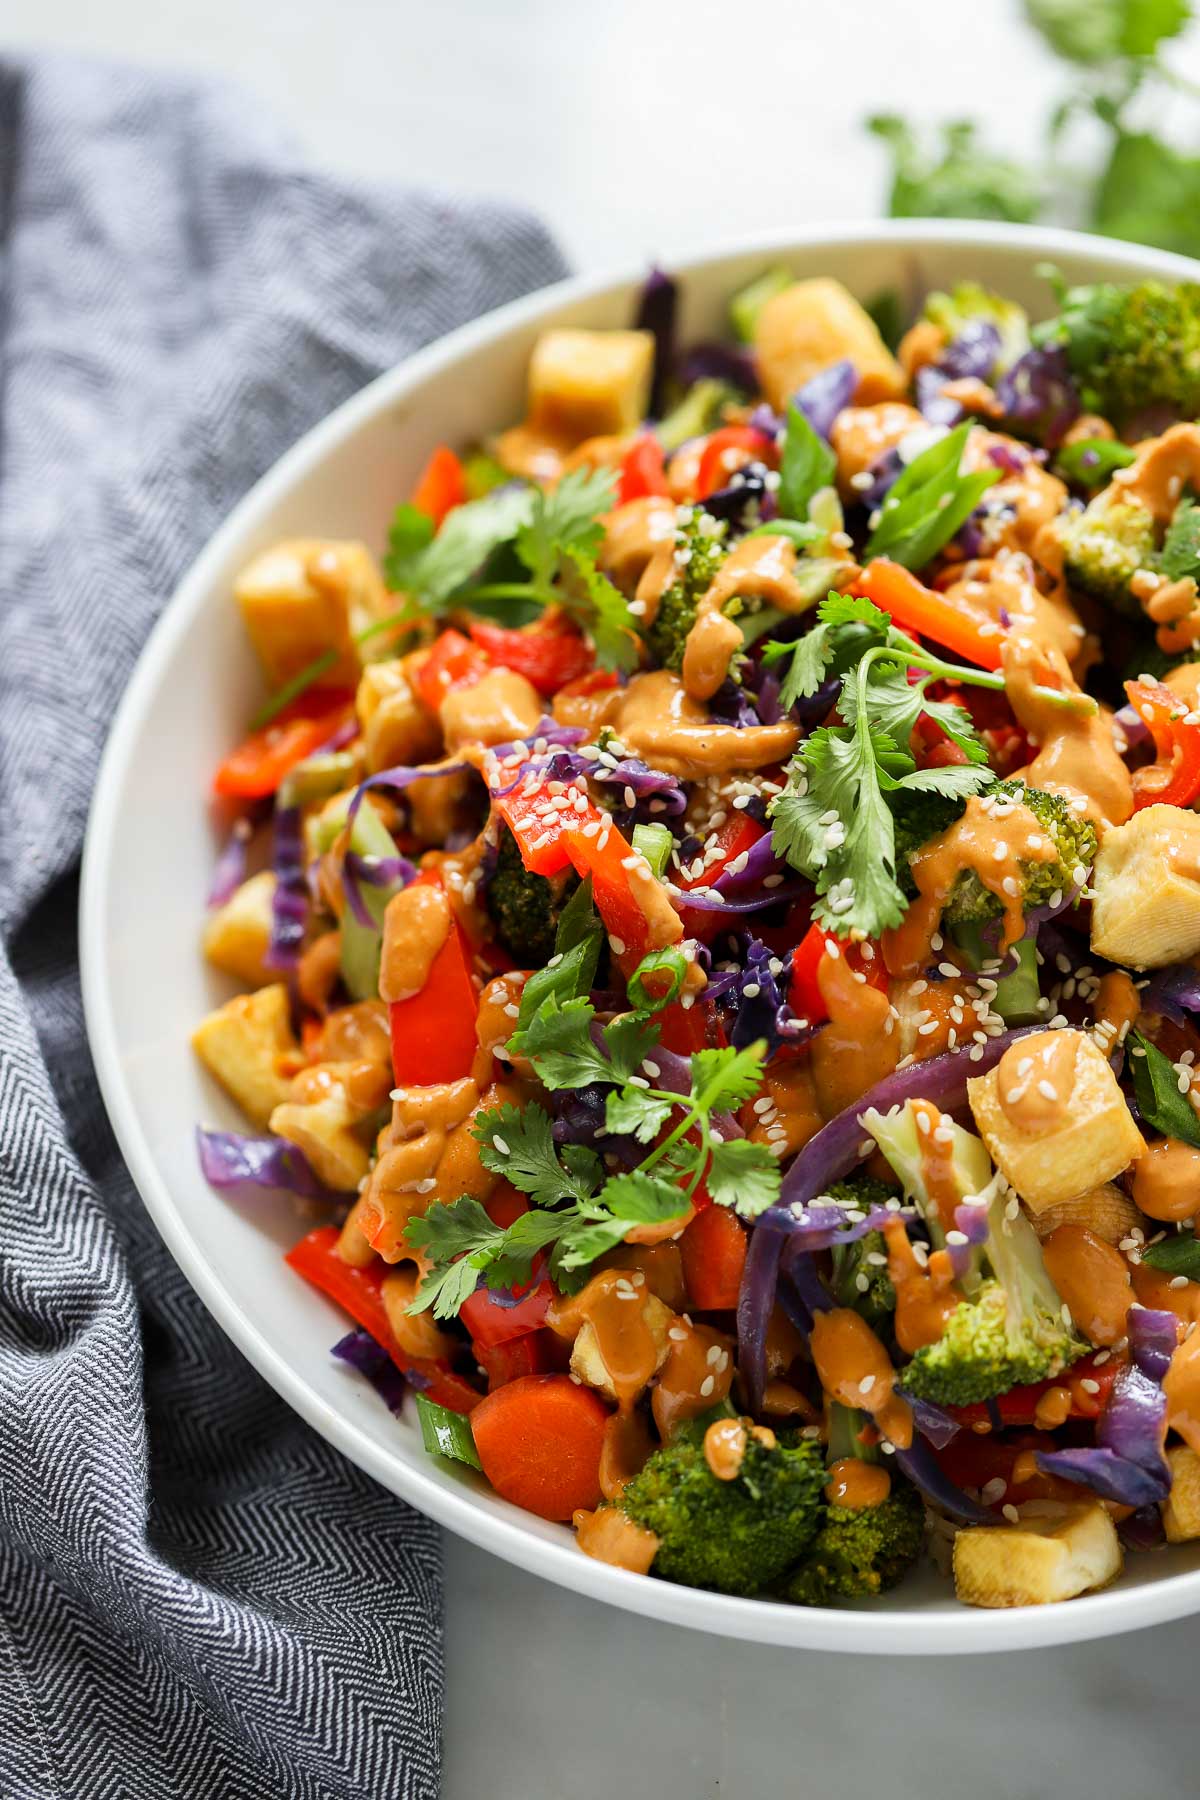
(744, 1176)
(1156, 1089)
(895, 705)
(410, 532)
(722, 1080)
(432, 574)
(630, 1038)
(598, 608)
(641, 1199)
(928, 502)
(565, 517)
(632, 1110)
(458, 1239)
(518, 1143)
(558, 1042)
(807, 465)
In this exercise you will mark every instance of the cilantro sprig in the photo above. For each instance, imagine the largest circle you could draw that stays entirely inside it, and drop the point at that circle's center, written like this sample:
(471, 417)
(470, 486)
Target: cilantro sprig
(577, 1210)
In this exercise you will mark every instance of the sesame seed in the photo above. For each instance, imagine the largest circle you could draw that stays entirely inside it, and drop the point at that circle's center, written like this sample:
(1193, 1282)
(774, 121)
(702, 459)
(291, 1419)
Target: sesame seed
(707, 1386)
(993, 1490)
(501, 1144)
(1011, 1514)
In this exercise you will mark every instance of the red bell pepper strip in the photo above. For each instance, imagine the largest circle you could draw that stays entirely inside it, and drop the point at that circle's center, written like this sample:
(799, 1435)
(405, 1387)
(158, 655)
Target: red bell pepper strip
(713, 1249)
(804, 993)
(540, 835)
(1173, 779)
(358, 1292)
(728, 449)
(453, 662)
(734, 838)
(493, 1318)
(642, 472)
(603, 854)
(973, 1460)
(546, 657)
(1019, 1406)
(536, 1353)
(433, 1031)
(260, 762)
(596, 681)
(916, 608)
(442, 485)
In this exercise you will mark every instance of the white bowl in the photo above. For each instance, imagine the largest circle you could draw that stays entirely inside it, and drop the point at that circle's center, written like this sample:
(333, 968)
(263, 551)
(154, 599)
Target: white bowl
(145, 985)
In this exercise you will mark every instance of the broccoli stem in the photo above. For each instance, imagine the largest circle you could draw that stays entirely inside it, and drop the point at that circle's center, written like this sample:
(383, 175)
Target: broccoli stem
(844, 1437)
(1017, 992)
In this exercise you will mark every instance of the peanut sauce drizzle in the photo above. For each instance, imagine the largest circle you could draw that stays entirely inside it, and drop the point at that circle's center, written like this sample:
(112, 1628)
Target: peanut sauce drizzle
(611, 1537)
(1093, 1279)
(854, 1367)
(1035, 1080)
(416, 924)
(1166, 1181)
(859, 1045)
(759, 568)
(991, 838)
(1076, 756)
(925, 1297)
(1181, 1385)
(856, 1484)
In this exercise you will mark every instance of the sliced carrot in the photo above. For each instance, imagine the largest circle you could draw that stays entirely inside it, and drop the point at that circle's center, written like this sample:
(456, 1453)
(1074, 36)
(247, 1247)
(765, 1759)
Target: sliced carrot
(539, 1440)
(713, 1249)
(442, 485)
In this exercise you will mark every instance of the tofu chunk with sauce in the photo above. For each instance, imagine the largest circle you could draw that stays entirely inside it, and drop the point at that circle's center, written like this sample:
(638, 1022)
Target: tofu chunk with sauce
(249, 1046)
(813, 324)
(238, 934)
(324, 1129)
(586, 384)
(305, 596)
(1053, 1119)
(1146, 882)
(588, 1363)
(1181, 1509)
(1056, 1551)
(396, 727)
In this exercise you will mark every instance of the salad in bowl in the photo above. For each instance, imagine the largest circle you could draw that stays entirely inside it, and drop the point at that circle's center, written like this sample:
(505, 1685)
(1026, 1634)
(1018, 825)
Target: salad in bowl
(716, 907)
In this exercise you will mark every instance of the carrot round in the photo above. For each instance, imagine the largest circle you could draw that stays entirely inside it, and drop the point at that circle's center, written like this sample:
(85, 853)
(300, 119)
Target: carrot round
(713, 1249)
(539, 1440)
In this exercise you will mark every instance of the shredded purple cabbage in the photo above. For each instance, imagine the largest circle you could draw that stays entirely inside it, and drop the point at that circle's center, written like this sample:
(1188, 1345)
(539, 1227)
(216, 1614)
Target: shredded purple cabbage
(972, 355)
(929, 1478)
(1143, 1529)
(824, 395)
(579, 1115)
(932, 1421)
(885, 471)
(1174, 992)
(1153, 1338)
(718, 362)
(230, 870)
(1039, 396)
(396, 779)
(745, 500)
(764, 418)
(931, 402)
(289, 902)
(247, 1167)
(648, 794)
(1126, 1463)
(657, 311)
(360, 1350)
(376, 871)
(759, 1004)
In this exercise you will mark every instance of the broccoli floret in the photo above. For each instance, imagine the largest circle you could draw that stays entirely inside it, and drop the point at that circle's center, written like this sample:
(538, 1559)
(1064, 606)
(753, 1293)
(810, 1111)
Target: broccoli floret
(524, 908)
(969, 301)
(1180, 556)
(1131, 347)
(1105, 545)
(861, 1551)
(735, 1536)
(857, 1280)
(700, 551)
(1013, 1331)
(921, 817)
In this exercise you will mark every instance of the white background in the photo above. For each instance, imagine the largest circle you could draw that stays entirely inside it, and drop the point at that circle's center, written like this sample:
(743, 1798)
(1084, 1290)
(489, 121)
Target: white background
(637, 128)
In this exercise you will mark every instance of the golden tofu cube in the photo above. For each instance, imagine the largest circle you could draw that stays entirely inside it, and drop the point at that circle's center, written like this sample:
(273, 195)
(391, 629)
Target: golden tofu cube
(586, 384)
(306, 596)
(1146, 882)
(1106, 1211)
(1181, 1509)
(589, 1365)
(324, 1130)
(249, 1046)
(813, 324)
(1088, 1138)
(237, 935)
(1058, 1550)
(396, 727)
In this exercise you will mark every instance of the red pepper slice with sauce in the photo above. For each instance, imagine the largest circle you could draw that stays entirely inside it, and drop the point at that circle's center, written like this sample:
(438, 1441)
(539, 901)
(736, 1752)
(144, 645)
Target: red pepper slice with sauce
(549, 658)
(728, 449)
(734, 838)
(442, 485)
(1019, 1406)
(260, 762)
(453, 662)
(358, 1292)
(1173, 779)
(642, 472)
(433, 1031)
(804, 992)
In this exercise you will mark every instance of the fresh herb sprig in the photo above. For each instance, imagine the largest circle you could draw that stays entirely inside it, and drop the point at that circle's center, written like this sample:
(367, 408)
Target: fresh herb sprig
(578, 1211)
(929, 501)
(1156, 1090)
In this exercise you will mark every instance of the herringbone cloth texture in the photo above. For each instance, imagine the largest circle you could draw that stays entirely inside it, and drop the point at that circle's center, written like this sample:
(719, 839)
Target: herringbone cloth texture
(197, 1596)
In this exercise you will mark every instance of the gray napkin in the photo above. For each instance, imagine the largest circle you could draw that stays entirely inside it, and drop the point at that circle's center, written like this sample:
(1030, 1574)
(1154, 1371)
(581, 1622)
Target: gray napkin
(198, 1597)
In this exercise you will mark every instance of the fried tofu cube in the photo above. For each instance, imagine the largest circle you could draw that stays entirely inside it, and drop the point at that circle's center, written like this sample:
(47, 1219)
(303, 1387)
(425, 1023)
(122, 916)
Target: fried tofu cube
(1146, 883)
(237, 935)
(1087, 1137)
(305, 596)
(396, 727)
(1058, 1550)
(586, 384)
(325, 1130)
(249, 1046)
(589, 1365)
(1181, 1509)
(1106, 1211)
(813, 324)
